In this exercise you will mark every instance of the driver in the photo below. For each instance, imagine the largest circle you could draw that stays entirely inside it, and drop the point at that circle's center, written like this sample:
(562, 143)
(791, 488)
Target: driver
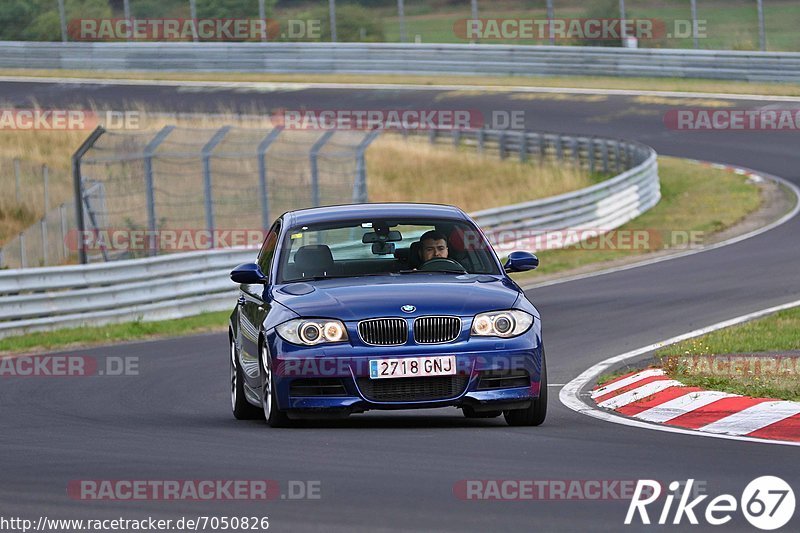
(433, 246)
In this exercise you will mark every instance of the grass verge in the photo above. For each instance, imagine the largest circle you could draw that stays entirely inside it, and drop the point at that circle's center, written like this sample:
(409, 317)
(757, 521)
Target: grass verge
(696, 202)
(575, 82)
(113, 333)
(707, 361)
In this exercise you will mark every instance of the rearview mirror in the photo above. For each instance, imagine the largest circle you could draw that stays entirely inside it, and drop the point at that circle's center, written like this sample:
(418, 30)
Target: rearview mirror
(372, 236)
(521, 262)
(249, 274)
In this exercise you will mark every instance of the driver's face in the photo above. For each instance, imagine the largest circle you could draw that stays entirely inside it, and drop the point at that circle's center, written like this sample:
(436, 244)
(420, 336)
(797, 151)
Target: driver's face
(432, 249)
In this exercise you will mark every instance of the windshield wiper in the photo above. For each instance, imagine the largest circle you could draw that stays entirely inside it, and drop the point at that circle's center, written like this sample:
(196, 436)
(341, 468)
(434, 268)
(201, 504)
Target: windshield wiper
(432, 272)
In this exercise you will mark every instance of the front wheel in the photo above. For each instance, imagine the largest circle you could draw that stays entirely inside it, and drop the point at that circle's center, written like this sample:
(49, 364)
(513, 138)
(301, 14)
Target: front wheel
(275, 417)
(242, 409)
(537, 412)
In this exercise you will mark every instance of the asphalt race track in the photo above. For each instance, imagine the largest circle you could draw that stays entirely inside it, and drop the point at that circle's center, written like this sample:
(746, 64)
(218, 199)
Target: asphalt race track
(397, 471)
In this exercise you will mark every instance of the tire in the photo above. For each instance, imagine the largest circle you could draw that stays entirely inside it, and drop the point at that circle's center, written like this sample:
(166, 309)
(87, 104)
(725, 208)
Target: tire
(242, 409)
(469, 412)
(537, 412)
(269, 404)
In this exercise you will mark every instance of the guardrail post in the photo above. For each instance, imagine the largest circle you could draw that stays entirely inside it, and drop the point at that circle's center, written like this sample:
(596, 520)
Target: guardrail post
(618, 156)
(78, 186)
(481, 137)
(149, 153)
(360, 182)
(17, 180)
(63, 212)
(432, 136)
(45, 181)
(456, 138)
(208, 149)
(43, 225)
(576, 153)
(501, 145)
(523, 147)
(604, 154)
(315, 199)
(23, 258)
(559, 148)
(591, 155)
(263, 186)
(629, 156)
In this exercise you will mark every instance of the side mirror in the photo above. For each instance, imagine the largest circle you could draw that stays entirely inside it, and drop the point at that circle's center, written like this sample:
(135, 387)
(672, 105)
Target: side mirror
(248, 273)
(521, 262)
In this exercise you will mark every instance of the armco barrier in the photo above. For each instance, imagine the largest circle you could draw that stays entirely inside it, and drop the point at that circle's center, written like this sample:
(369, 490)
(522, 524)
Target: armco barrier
(171, 286)
(394, 58)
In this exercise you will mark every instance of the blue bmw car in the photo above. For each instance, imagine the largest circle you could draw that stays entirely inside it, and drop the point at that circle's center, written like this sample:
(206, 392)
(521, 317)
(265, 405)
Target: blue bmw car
(384, 306)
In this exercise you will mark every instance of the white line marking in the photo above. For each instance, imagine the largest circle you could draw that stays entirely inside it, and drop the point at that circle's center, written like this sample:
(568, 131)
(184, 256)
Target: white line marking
(570, 393)
(284, 86)
(681, 405)
(639, 393)
(785, 218)
(627, 381)
(754, 418)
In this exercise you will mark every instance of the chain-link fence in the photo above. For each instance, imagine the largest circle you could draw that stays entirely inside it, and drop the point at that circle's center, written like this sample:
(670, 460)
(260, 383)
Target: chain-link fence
(187, 188)
(721, 24)
(182, 189)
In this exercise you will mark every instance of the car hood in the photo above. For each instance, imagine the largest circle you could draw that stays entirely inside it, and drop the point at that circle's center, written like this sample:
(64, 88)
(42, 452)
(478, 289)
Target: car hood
(360, 298)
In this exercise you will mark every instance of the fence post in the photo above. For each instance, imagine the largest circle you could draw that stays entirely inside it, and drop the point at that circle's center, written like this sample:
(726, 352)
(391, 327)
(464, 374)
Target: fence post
(23, 259)
(78, 186)
(456, 138)
(43, 225)
(618, 156)
(17, 179)
(481, 140)
(263, 188)
(207, 191)
(432, 136)
(148, 153)
(604, 154)
(591, 155)
(501, 145)
(523, 146)
(360, 183)
(63, 212)
(559, 148)
(315, 198)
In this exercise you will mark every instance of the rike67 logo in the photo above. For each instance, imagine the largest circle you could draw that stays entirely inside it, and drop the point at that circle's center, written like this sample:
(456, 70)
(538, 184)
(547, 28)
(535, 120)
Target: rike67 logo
(767, 502)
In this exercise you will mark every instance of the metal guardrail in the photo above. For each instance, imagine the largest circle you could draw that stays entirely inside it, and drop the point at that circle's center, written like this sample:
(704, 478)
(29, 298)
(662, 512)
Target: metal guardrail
(183, 284)
(390, 58)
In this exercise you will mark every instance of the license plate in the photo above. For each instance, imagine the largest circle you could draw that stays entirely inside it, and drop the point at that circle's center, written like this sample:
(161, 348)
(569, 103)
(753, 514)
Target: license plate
(441, 365)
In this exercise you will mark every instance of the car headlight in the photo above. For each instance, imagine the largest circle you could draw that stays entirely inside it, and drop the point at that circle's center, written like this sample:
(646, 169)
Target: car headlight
(312, 331)
(510, 323)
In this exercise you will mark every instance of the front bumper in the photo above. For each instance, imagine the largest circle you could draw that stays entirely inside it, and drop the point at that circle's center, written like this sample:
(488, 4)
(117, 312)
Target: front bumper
(348, 365)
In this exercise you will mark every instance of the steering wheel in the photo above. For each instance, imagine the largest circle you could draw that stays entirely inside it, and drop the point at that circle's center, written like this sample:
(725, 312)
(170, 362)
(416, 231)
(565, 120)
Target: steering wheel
(440, 263)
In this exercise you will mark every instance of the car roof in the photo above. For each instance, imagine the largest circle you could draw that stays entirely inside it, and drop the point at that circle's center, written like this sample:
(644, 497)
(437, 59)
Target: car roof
(335, 213)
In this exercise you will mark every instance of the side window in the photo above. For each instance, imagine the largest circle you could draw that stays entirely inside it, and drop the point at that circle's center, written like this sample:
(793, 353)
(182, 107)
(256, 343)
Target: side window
(268, 249)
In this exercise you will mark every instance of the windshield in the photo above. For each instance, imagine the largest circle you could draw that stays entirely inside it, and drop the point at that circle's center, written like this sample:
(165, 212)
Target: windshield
(379, 247)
